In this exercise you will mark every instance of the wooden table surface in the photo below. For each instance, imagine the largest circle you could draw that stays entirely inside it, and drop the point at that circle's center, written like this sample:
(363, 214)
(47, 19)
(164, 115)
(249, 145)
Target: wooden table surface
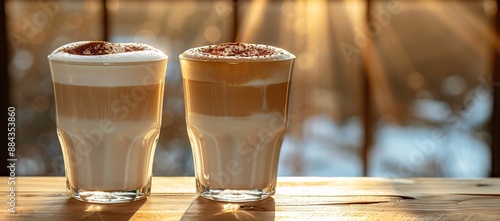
(297, 198)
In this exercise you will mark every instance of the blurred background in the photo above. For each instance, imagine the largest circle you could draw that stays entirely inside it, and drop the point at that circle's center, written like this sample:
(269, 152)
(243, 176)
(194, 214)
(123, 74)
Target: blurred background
(390, 88)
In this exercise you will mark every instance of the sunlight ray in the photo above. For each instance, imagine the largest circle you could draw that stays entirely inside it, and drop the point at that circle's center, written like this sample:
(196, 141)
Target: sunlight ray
(445, 15)
(254, 18)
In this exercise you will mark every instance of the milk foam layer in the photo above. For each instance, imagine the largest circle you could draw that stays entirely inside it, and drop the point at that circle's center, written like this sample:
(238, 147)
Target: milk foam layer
(203, 53)
(117, 53)
(109, 75)
(144, 67)
(237, 63)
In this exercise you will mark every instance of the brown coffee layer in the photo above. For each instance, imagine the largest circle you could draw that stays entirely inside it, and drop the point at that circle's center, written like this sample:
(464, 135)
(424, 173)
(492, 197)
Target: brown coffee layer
(220, 99)
(237, 71)
(124, 103)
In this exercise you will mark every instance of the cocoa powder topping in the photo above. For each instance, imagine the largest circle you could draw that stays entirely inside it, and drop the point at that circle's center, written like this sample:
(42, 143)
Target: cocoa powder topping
(237, 50)
(101, 48)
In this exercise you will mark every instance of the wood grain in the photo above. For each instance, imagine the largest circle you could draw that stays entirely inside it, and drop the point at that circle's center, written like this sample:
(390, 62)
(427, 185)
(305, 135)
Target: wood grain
(297, 198)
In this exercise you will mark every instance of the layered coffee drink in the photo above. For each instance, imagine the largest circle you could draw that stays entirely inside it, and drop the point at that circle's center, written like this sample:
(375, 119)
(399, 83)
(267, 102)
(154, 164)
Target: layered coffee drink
(236, 101)
(108, 99)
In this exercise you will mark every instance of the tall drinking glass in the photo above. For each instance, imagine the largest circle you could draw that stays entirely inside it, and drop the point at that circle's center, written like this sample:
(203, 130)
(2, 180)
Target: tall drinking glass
(236, 101)
(108, 99)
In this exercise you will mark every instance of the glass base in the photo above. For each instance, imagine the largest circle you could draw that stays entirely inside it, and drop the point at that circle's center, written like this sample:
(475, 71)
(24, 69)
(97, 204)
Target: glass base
(109, 197)
(233, 195)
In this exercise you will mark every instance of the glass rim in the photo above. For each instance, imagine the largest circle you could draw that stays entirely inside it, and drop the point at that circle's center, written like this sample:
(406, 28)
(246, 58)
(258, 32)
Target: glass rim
(235, 59)
(105, 63)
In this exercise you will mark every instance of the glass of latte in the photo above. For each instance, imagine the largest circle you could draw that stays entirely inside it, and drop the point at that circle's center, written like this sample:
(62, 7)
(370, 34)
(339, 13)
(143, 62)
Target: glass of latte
(108, 99)
(236, 101)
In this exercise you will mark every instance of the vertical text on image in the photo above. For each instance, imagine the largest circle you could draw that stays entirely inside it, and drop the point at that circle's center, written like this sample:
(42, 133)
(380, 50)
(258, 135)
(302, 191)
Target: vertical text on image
(11, 159)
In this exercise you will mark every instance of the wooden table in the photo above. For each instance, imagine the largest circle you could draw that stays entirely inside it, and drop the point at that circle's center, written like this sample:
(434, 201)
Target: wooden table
(297, 198)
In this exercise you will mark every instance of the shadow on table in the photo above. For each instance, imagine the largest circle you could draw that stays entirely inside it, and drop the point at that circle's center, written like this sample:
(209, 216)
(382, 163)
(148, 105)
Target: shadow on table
(204, 209)
(89, 211)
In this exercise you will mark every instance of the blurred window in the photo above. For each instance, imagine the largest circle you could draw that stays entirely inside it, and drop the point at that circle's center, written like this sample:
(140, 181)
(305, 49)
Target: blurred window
(428, 66)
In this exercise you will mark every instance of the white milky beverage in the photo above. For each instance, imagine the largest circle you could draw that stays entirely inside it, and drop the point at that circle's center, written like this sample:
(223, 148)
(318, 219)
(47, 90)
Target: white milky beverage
(236, 100)
(108, 99)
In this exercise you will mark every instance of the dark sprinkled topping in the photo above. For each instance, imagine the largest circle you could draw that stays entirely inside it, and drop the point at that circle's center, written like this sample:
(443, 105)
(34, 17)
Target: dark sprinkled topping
(237, 50)
(101, 48)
